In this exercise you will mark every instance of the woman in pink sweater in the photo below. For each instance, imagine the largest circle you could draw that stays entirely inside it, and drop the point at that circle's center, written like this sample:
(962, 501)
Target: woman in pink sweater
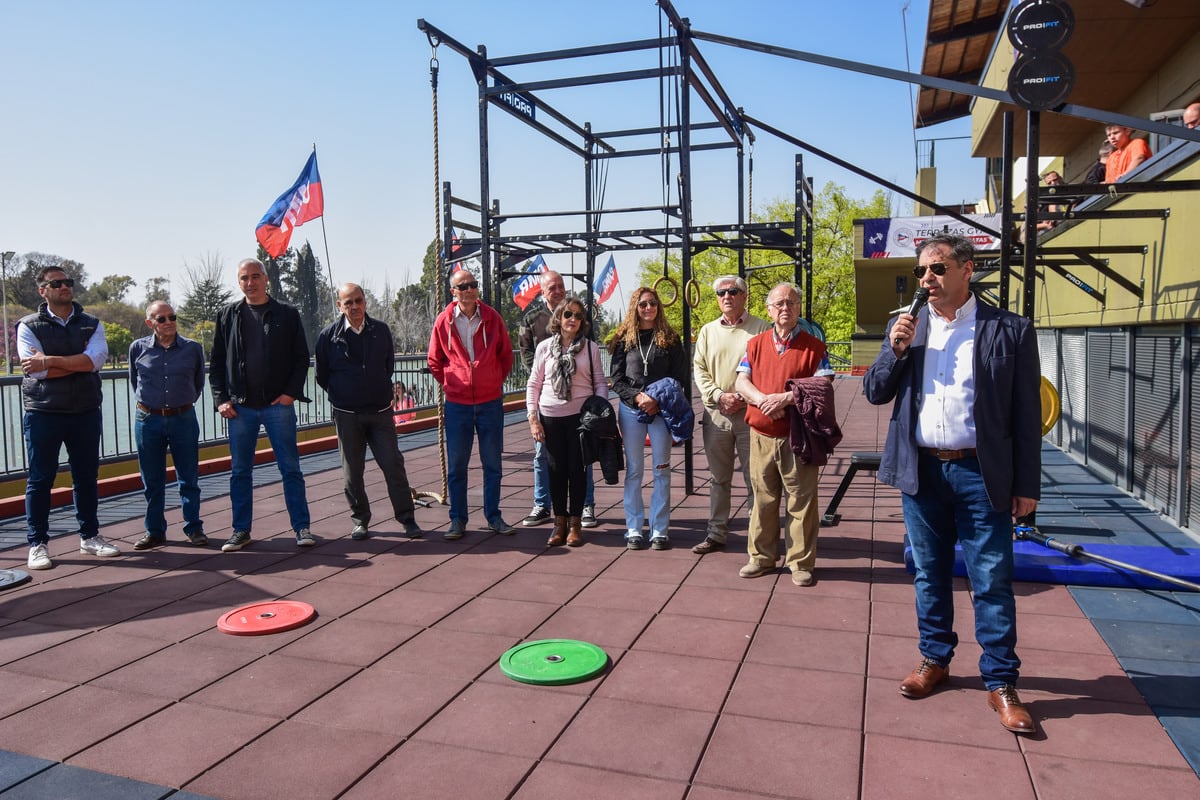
(566, 370)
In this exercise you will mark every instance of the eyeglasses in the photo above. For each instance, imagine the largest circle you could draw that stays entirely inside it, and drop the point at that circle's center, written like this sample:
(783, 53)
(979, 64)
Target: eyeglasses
(469, 286)
(648, 304)
(937, 268)
(58, 283)
(568, 314)
(732, 291)
(160, 319)
(782, 304)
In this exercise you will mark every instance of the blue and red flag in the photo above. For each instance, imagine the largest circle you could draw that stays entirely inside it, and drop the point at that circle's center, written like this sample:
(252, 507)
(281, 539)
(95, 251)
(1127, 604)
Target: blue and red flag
(304, 201)
(529, 285)
(606, 282)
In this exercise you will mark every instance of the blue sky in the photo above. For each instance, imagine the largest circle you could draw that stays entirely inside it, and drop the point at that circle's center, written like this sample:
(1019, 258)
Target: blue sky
(142, 135)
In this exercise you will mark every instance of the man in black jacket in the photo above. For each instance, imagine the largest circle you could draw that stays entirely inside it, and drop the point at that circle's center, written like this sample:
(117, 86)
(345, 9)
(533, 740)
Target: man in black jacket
(257, 369)
(355, 361)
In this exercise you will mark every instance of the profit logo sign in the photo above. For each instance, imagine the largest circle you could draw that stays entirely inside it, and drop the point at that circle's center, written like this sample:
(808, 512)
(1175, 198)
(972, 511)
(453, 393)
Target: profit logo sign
(1042, 77)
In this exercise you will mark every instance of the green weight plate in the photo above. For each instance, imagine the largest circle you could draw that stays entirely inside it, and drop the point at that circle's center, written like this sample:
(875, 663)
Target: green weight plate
(553, 662)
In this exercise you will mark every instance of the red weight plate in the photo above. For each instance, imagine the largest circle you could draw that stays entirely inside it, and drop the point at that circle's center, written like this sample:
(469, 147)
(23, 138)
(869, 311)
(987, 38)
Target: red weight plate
(257, 619)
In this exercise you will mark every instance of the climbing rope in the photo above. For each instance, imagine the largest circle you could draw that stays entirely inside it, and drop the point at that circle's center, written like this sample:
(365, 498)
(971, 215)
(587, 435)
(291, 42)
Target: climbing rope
(441, 271)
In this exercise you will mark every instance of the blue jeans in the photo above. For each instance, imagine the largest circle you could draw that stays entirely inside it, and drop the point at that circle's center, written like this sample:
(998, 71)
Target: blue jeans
(541, 480)
(45, 434)
(952, 505)
(634, 434)
(463, 423)
(280, 423)
(154, 435)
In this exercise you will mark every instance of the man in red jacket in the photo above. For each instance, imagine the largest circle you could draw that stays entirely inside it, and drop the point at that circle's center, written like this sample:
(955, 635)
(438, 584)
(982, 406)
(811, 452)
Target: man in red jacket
(785, 351)
(470, 355)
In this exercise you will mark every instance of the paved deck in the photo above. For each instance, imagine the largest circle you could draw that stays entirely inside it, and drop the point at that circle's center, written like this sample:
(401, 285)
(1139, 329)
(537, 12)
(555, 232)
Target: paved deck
(114, 682)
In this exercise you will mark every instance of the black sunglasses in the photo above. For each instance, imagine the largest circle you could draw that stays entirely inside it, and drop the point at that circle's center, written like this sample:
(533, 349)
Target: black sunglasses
(648, 304)
(467, 287)
(58, 283)
(938, 268)
(160, 319)
(568, 314)
(732, 291)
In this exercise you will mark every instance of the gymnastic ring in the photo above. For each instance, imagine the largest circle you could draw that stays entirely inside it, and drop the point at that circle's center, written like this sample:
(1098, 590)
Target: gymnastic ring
(691, 293)
(674, 290)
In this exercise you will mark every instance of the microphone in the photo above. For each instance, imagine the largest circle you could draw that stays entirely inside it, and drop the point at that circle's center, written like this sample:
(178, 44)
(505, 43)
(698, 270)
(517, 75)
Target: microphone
(920, 298)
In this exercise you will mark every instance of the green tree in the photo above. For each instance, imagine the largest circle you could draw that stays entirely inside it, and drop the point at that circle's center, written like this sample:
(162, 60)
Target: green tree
(111, 289)
(22, 277)
(158, 289)
(204, 291)
(310, 292)
(119, 338)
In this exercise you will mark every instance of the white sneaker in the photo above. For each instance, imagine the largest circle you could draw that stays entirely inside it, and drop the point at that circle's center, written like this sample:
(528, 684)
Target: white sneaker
(39, 557)
(98, 546)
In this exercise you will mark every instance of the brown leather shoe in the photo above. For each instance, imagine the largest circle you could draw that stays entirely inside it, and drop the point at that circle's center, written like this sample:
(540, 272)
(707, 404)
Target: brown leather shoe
(574, 535)
(924, 679)
(1013, 714)
(559, 536)
(708, 546)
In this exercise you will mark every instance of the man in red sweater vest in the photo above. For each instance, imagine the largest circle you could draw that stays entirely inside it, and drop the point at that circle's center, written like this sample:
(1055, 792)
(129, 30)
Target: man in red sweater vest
(772, 358)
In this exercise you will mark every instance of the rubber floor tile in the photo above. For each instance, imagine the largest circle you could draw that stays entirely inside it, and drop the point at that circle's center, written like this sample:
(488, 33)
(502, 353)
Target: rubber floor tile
(79, 660)
(430, 770)
(176, 672)
(1166, 682)
(293, 761)
(376, 700)
(438, 651)
(696, 636)
(1166, 641)
(716, 603)
(176, 621)
(651, 565)
(956, 713)
(514, 719)
(15, 768)
(351, 641)
(1082, 728)
(175, 745)
(539, 587)
(458, 576)
(895, 768)
(621, 595)
(608, 629)
(799, 607)
(336, 599)
(390, 569)
(498, 616)
(598, 552)
(18, 691)
(894, 619)
(635, 738)
(72, 721)
(813, 648)
(551, 780)
(410, 607)
(1134, 604)
(817, 697)
(1047, 675)
(675, 681)
(829, 768)
(1055, 777)
(250, 689)
(99, 611)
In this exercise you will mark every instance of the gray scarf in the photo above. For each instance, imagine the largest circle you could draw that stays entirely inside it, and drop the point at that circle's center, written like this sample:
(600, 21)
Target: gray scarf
(562, 365)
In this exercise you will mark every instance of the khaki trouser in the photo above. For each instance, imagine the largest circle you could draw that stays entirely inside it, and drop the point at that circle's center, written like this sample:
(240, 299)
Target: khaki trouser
(724, 438)
(775, 472)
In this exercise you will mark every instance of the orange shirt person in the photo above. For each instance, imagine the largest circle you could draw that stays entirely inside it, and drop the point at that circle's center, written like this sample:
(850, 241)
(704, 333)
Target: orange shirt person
(1127, 153)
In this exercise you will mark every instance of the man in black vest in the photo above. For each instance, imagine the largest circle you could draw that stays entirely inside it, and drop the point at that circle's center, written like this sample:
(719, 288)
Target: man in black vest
(62, 349)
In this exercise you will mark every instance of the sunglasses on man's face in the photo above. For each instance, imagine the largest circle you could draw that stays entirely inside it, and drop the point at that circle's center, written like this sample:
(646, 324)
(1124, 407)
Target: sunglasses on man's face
(937, 268)
(732, 291)
(58, 283)
(160, 319)
(467, 286)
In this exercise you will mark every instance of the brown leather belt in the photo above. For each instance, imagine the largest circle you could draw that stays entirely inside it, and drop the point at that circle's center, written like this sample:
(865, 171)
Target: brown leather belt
(948, 455)
(165, 412)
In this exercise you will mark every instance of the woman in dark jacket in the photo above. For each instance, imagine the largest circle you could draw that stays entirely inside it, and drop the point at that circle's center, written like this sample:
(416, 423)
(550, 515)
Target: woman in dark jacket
(645, 349)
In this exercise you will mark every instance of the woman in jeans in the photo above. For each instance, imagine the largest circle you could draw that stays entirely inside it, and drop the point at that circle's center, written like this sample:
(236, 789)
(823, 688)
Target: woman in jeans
(645, 349)
(566, 370)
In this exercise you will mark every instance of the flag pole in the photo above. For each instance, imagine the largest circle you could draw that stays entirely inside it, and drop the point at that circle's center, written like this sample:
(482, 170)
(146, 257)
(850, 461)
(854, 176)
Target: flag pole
(325, 239)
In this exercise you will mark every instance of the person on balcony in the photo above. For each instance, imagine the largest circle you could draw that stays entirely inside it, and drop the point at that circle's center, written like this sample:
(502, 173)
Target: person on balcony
(1128, 152)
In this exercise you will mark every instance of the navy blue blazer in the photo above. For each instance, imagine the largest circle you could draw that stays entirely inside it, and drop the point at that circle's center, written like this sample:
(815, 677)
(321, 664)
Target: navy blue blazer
(1008, 416)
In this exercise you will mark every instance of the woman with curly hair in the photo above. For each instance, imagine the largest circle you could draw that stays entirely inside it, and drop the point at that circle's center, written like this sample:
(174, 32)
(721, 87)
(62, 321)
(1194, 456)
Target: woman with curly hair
(566, 370)
(645, 349)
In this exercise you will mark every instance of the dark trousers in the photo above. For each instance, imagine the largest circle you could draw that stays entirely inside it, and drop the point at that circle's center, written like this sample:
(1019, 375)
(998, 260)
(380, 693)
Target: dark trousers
(356, 432)
(568, 479)
(45, 434)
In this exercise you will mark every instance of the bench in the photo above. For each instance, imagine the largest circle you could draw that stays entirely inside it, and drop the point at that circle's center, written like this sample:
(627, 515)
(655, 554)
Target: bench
(858, 461)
